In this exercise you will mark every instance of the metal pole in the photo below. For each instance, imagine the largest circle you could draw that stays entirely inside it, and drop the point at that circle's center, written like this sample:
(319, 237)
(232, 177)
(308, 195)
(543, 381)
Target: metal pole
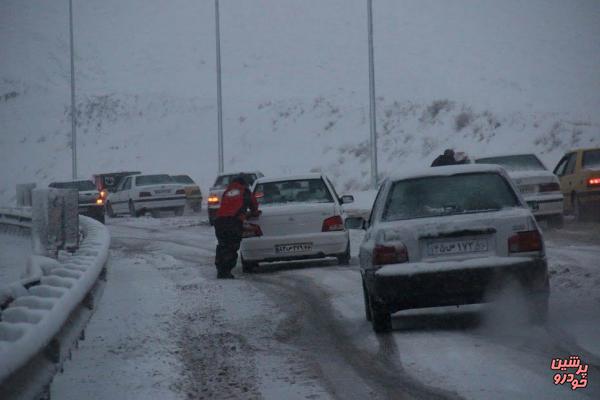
(219, 99)
(373, 126)
(73, 112)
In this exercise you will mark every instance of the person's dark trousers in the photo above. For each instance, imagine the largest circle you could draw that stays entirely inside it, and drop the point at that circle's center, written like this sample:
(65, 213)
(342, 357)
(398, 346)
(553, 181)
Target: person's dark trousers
(229, 234)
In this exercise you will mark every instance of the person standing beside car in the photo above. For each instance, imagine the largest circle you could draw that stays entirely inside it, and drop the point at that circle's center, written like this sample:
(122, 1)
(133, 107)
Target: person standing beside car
(237, 203)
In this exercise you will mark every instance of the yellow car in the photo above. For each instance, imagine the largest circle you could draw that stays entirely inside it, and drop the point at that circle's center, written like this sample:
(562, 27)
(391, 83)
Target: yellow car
(579, 174)
(193, 194)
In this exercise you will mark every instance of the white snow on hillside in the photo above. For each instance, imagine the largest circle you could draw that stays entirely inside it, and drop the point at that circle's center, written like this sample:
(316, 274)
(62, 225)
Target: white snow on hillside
(478, 76)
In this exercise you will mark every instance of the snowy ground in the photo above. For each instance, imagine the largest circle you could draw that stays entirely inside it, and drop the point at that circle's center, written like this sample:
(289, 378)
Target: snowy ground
(14, 251)
(165, 328)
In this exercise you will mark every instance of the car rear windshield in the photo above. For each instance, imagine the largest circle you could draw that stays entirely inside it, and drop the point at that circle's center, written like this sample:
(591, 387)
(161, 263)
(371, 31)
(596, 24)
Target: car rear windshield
(183, 179)
(523, 162)
(81, 186)
(224, 180)
(145, 180)
(448, 195)
(591, 159)
(293, 191)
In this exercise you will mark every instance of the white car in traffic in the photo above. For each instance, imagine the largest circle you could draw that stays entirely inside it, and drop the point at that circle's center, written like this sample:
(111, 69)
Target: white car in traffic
(447, 236)
(539, 187)
(301, 218)
(137, 194)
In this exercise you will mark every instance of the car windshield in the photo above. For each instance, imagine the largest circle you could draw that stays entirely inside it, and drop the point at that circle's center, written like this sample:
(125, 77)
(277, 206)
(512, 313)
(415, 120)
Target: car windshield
(447, 195)
(183, 179)
(145, 180)
(591, 159)
(79, 185)
(523, 162)
(224, 180)
(293, 191)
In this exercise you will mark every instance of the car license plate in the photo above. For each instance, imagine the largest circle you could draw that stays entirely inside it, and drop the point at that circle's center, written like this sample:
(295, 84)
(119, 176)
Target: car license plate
(527, 189)
(292, 248)
(162, 191)
(457, 247)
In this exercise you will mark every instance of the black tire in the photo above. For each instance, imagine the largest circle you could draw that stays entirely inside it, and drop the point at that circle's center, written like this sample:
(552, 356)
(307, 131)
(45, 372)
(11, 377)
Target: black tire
(344, 258)
(556, 221)
(109, 210)
(179, 211)
(578, 210)
(366, 301)
(197, 207)
(132, 211)
(381, 319)
(249, 267)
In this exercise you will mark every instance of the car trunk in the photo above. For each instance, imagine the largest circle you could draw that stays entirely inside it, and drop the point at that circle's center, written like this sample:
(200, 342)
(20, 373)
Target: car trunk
(159, 191)
(88, 197)
(291, 219)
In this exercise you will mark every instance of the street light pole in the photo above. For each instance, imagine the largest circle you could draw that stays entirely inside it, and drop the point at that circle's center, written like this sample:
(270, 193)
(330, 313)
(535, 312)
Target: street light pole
(373, 126)
(219, 99)
(73, 113)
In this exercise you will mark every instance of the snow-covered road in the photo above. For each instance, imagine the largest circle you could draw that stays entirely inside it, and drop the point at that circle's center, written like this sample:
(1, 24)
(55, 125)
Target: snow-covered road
(165, 328)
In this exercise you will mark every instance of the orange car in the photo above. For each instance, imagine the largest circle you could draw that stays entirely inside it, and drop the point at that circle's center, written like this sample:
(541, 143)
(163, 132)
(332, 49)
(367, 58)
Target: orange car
(579, 174)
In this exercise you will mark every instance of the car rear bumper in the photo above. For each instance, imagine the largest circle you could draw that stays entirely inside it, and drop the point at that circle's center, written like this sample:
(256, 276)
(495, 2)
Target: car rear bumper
(158, 203)
(462, 282)
(542, 205)
(324, 244)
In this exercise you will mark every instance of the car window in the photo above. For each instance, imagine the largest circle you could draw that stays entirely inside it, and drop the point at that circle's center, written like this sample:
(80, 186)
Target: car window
(79, 185)
(145, 180)
(127, 184)
(447, 195)
(332, 188)
(293, 191)
(377, 204)
(560, 167)
(184, 179)
(591, 159)
(571, 164)
(521, 162)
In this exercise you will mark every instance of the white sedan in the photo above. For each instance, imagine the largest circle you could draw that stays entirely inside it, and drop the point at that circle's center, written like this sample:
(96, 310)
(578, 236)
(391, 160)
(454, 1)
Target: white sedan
(539, 187)
(137, 194)
(449, 236)
(301, 218)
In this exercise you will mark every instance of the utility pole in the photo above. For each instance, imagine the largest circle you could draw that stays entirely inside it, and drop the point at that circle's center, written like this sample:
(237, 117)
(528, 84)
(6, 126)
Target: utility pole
(73, 112)
(219, 99)
(372, 111)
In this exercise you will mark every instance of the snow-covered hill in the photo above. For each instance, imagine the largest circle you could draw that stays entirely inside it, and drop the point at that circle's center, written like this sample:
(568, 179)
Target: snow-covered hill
(479, 76)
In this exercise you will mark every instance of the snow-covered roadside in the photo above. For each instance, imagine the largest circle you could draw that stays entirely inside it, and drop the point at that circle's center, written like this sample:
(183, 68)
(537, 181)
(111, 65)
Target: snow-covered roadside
(15, 249)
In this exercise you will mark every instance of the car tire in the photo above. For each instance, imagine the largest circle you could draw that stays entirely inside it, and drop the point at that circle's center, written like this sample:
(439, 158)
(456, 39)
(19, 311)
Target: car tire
(109, 210)
(366, 301)
(249, 267)
(132, 211)
(197, 207)
(556, 221)
(381, 319)
(578, 210)
(179, 211)
(344, 258)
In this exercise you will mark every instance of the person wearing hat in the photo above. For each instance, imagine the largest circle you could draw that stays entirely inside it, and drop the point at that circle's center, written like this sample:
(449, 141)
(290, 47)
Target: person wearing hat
(237, 203)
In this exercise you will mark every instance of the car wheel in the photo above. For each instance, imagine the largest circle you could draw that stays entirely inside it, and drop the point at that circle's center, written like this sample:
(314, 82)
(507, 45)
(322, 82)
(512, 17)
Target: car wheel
(109, 210)
(344, 258)
(197, 207)
(179, 211)
(577, 209)
(132, 211)
(381, 319)
(556, 221)
(366, 301)
(249, 267)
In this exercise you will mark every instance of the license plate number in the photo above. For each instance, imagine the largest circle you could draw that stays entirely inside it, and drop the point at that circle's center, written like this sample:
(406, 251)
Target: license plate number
(292, 248)
(457, 247)
(162, 191)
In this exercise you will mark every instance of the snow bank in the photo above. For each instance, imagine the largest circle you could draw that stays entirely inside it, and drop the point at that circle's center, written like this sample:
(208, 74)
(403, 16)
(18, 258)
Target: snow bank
(38, 314)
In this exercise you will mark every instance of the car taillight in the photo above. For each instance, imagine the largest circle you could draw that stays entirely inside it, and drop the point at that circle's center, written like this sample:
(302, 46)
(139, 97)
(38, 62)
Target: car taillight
(103, 194)
(389, 254)
(145, 194)
(593, 182)
(525, 241)
(180, 191)
(99, 201)
(549, 187)
(251, 230)
(331, 224)
(212, 199)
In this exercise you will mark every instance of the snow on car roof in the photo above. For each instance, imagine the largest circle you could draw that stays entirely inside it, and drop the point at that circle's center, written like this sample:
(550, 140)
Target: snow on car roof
(495, 155)
(447, 171)
(314, 175)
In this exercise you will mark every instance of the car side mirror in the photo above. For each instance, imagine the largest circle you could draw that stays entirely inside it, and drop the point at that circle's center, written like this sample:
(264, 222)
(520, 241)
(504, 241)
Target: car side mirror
(355, 223)
(347, 199)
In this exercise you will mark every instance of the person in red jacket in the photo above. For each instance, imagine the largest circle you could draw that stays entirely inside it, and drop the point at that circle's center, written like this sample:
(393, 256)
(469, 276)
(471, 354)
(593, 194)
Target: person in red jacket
(237, 203)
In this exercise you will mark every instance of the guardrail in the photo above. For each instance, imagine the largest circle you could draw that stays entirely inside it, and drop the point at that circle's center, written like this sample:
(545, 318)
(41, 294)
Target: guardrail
(46, 313)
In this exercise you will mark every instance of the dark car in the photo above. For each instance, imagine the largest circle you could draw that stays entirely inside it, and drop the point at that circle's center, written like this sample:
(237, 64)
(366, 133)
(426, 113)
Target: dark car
(91, 202)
